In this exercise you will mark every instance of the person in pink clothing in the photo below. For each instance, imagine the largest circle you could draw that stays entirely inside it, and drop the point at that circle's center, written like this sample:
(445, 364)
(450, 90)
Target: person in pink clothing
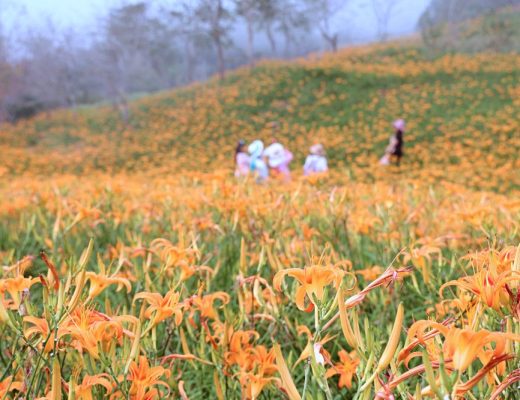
(278, 159)
(242, 160)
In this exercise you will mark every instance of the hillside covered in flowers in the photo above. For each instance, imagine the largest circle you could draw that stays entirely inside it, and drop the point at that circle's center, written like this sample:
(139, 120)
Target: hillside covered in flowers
(136, 266)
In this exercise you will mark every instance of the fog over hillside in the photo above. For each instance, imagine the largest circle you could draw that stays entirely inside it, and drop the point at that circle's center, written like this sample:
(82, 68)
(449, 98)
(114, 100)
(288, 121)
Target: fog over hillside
(357, 22)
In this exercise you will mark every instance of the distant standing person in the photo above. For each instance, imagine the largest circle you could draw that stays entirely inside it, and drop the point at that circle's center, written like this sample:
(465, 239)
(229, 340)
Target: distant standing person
(279, 158)
(395, 147)
(242, 160)
(316, 161)
(256, 163)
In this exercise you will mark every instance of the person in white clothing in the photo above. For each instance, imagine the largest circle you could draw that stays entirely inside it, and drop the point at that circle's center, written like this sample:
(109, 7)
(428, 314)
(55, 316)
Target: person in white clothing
(316, 161)
(256, 163)
(278, 159)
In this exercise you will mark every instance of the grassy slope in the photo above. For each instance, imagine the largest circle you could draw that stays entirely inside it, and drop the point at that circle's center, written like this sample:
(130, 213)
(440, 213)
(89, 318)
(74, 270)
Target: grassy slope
(460, 112)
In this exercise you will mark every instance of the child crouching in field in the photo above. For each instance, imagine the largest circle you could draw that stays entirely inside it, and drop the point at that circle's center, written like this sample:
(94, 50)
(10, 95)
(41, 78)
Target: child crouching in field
(242, 160)
(256, 163)
(316, 161)
(278, 159)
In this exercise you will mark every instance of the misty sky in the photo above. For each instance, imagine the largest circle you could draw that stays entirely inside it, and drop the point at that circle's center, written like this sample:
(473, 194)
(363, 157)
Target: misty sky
(82, 13)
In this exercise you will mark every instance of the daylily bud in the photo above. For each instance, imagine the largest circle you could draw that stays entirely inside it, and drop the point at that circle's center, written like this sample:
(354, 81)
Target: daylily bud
(288, 383)
(393, 341)
(56, 379)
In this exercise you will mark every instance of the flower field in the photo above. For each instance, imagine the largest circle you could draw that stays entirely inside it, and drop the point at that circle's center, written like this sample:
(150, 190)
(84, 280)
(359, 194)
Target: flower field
(135, 266)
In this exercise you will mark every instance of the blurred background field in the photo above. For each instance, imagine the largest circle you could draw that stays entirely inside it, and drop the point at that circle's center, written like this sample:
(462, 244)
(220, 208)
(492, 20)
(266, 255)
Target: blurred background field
(462, 113)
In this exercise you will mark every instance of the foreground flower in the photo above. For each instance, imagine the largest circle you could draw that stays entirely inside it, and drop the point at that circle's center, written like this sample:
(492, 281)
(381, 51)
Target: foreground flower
(463, 346)
(83, 391)
(8, 385)
(205, 305)
(346, 368)
(143, 378)
(15, 286)
(161, 307)
(493, 280)
(100, 281)
(312, 280)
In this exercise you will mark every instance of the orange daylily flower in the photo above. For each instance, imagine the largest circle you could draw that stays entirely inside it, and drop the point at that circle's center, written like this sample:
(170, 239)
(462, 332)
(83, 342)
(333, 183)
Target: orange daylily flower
(162, 307)
(253, 384)
(369, 274)
(14, 286)
(100, 281)
(19, 268)
(83, 391)
(143, 378)
(79, 326)
(89, 327)
(238, 348)
(421, 258)
(259, 372)
(493, 279)
(422, 338)
(488, 286)
(8, 385)
(262, 360)
(463, 346)
(205, 304)
(313, 281)
(40, 327)
(346, 368)
(112, 330)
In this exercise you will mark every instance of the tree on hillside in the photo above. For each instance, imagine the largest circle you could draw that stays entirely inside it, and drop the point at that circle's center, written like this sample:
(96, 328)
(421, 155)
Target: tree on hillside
(136, 53)
(51, 68)
(292, 19)
(249, 11)
(268, 13)
(440, 21)
(213, 19)
(194, 42)
(443, 11)
(324, 12)
(383, 11)
(6, 74)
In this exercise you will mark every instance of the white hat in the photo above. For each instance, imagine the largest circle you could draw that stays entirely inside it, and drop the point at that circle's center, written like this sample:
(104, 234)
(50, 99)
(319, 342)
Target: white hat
(256, 148)
(275, 154)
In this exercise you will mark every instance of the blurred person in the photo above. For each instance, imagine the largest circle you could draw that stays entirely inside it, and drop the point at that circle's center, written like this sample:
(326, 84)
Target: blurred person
(316, 161)
(257, 164)
(242, 160)
(394, 150)
(278, 159)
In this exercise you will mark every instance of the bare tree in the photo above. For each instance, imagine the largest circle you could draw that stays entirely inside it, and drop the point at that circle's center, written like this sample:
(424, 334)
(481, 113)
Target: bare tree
(249, 11)
(136, 53)
(268, 14)
(186, 28)
(213, 20)
(325, 11)
(383, 10)
(442, 28)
